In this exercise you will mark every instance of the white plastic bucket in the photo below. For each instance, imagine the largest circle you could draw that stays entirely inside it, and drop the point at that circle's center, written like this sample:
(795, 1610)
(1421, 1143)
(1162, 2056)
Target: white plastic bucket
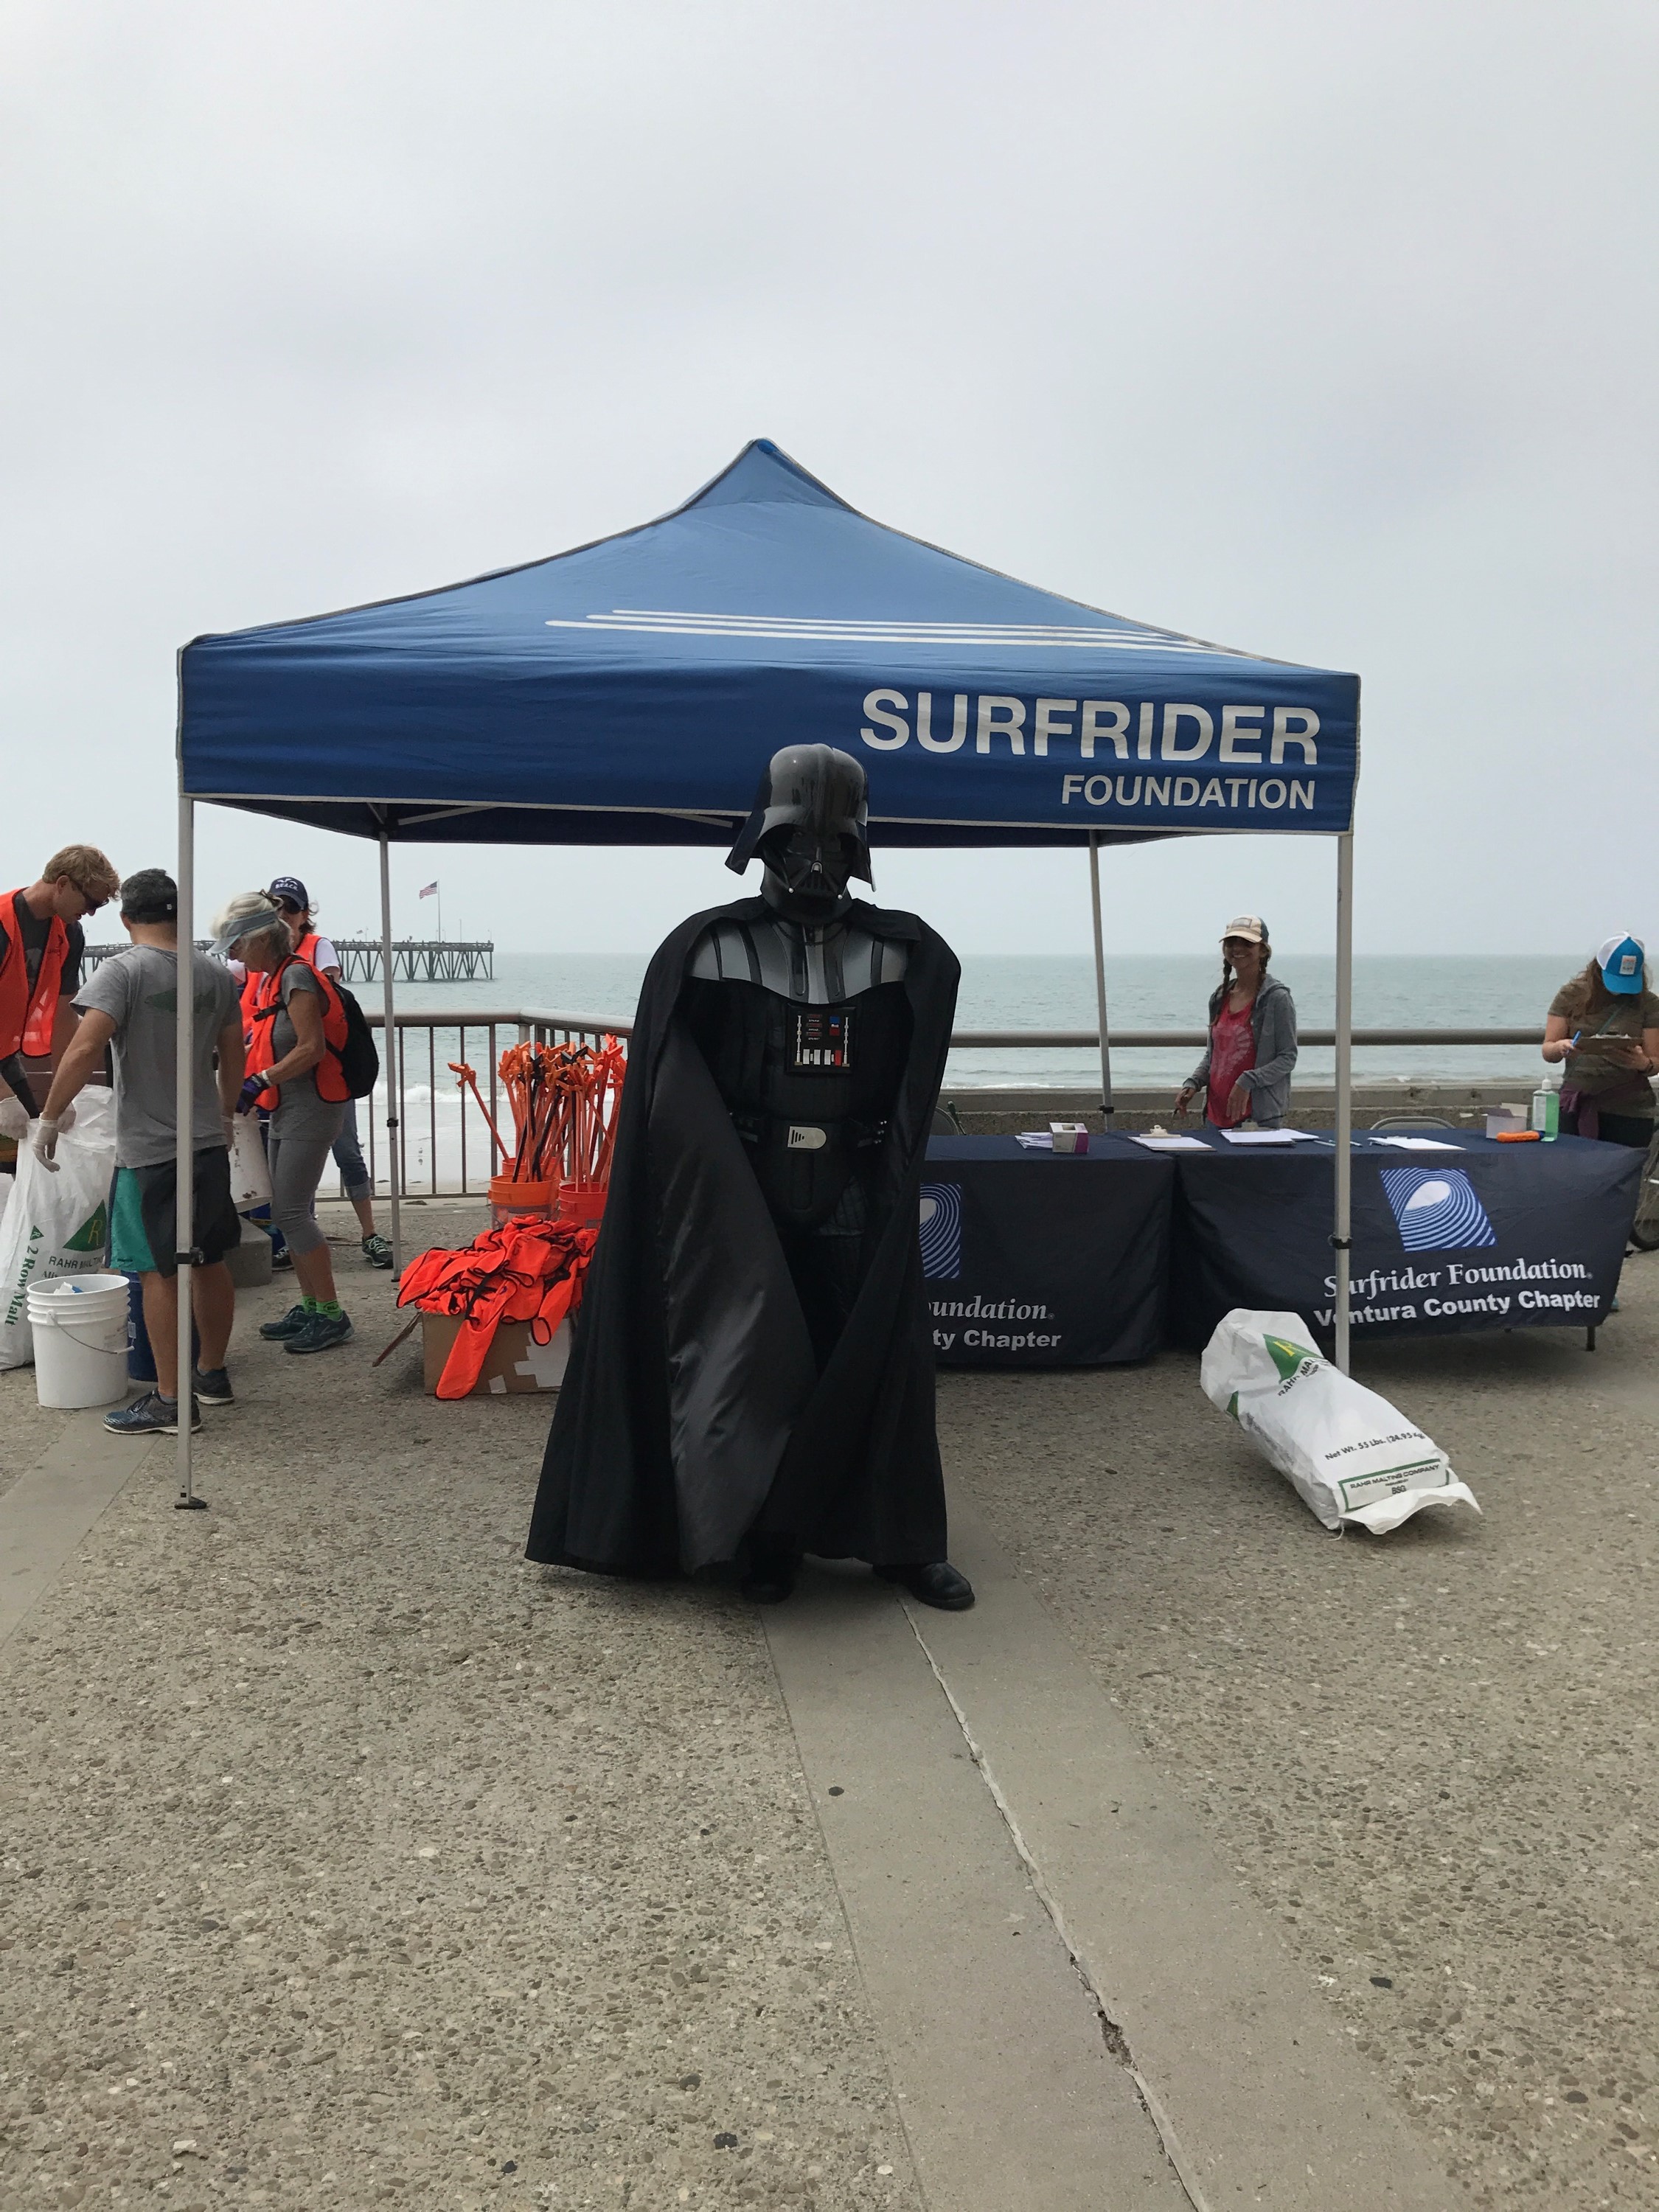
(79, 1324)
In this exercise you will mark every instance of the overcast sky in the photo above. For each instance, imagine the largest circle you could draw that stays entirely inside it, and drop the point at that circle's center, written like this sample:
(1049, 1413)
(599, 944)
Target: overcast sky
(1322, 330)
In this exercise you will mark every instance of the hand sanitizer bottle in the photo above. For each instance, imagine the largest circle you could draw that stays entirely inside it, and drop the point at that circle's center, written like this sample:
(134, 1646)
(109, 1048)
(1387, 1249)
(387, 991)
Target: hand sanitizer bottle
(1547, 1111)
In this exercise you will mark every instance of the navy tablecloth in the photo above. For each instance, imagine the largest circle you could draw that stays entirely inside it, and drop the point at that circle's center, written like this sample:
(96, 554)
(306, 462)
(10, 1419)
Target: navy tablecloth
(1036, 1259)
(1490, 1236)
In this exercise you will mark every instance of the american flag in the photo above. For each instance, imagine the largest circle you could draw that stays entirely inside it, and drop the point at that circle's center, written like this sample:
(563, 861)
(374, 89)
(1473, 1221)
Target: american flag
(429, 890)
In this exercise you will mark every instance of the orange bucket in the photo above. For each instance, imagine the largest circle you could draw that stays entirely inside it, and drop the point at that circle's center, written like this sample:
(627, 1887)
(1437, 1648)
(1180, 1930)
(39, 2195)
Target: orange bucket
(584, 1207)
(507, 1198)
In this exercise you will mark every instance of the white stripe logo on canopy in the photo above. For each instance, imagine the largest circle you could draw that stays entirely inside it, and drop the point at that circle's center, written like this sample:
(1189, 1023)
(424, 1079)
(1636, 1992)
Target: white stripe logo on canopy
(836, 629)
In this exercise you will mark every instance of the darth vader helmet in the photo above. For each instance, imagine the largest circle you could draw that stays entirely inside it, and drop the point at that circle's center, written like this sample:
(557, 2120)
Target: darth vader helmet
(809, 827)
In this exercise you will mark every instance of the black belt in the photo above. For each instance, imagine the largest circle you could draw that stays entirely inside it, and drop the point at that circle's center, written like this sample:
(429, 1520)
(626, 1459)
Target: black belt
(804, 1134)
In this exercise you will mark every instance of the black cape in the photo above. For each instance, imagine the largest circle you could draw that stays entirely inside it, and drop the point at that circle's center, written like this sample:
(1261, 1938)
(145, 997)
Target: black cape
(693, 1408)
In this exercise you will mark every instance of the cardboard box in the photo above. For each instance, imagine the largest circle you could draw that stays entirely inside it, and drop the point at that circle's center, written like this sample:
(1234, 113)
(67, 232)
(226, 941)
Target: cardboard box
(515, 1362)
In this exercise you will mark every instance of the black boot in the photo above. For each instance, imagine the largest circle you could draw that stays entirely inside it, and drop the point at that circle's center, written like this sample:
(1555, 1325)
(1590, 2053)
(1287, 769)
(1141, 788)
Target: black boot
(770, 1575)
(937, 1583)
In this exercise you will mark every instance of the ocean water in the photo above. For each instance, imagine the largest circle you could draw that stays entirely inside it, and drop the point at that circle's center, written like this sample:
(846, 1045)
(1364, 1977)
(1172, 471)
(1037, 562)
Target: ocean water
(446, 1146)
(1056, 991)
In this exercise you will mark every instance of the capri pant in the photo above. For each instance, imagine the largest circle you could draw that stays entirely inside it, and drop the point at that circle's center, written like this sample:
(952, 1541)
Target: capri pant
(296, 1169)
(349, 1155)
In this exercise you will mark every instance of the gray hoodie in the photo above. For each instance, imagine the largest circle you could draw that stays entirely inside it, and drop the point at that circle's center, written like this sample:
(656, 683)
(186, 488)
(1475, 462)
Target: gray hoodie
(1272, 1025)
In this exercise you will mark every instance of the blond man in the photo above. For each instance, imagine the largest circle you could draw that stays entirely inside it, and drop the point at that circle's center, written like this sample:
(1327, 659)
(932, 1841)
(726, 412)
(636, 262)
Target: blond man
(41, 946)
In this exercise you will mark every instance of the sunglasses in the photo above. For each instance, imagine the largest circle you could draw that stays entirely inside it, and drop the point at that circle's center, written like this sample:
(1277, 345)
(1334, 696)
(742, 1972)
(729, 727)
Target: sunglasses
(289, 906)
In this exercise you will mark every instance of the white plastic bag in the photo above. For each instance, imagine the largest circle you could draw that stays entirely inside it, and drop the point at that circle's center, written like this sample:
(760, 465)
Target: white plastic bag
(250, 1175)
(1350, 1455)
(56, 1224)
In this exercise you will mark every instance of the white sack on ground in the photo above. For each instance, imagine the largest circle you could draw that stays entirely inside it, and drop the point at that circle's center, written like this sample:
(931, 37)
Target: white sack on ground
(1350, 1455)
(56, 1224)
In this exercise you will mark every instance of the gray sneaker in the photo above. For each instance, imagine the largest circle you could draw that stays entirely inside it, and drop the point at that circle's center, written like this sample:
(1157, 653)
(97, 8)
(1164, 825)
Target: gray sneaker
(152, 1415)
(277, 1332)
(377, 1251)
(321, 1332)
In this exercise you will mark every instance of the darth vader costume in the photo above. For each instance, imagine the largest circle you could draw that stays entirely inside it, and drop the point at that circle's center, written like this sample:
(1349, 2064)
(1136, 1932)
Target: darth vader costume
(752, 1375)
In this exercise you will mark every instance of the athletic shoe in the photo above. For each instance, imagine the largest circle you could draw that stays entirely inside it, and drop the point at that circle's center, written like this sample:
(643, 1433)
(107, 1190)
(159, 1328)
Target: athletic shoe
(321, 1332)
(152, 1415)
(278, 1331)
(213, 1388)
(282, 1257)
(377, 1251)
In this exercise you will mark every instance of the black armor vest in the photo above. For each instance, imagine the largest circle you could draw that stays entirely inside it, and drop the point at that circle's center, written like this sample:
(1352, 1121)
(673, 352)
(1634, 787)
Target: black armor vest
(809, 1090)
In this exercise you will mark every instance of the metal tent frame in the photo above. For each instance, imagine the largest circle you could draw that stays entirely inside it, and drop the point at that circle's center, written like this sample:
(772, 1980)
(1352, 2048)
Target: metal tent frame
(479, 704)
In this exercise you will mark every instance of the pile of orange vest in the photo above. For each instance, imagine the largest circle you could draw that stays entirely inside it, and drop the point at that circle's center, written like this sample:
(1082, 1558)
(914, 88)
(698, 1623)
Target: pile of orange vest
(526, 1270)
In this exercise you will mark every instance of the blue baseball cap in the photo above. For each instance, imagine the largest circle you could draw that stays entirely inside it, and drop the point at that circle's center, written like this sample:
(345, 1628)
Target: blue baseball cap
(1621, 962)
(289, 887)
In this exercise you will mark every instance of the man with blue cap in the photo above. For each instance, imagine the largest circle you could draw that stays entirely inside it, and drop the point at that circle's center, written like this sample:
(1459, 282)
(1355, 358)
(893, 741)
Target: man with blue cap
(1603, 1027)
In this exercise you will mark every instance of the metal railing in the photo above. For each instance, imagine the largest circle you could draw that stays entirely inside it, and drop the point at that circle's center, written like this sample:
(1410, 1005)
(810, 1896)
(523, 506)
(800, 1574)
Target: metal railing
(422, 1164)
(1156, 1040)
(435, 1161)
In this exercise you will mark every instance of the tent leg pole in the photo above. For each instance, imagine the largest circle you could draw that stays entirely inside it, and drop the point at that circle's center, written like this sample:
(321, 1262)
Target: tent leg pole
(389, 1041)
(184, 1219)
(1342, 1229)
(1106, 1107)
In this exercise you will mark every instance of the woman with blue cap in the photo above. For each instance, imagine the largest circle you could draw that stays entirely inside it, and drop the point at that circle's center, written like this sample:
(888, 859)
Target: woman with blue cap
(1603, 1028)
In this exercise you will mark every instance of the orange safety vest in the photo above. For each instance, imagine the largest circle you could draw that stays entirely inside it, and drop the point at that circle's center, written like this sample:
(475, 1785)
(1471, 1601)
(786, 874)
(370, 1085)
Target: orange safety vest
(26, 1016)
(249, 998)
(267, 1003)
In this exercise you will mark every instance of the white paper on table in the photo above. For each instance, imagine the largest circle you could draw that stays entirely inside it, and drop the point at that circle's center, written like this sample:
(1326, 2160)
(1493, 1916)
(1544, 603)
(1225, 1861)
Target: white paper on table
(1270, 1136)
(1422, 1143)
(1036, 1141)
(1172, 1144)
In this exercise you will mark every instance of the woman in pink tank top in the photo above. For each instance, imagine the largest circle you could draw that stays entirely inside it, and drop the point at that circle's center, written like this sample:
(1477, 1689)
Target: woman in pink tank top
(1245, 1072)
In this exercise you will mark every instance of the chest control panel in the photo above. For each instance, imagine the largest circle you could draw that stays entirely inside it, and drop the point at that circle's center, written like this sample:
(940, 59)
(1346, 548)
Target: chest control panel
(823, 1041)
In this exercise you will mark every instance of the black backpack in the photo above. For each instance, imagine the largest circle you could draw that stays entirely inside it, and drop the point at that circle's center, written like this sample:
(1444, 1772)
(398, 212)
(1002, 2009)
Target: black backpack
(360, 1062)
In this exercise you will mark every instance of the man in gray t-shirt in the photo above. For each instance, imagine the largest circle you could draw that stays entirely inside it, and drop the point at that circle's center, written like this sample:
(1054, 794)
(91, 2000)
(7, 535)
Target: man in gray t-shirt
(130, 1005)
(138, 989)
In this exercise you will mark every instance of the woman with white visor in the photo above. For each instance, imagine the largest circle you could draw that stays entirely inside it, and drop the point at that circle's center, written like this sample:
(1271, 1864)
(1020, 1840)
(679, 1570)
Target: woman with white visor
(288, 1056)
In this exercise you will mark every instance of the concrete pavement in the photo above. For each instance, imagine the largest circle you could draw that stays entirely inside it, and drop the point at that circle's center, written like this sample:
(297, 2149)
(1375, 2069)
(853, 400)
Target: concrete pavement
(370, 1865)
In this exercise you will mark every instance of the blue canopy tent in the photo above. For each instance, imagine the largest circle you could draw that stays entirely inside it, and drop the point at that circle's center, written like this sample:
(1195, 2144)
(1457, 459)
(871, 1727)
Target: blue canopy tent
(628, 692)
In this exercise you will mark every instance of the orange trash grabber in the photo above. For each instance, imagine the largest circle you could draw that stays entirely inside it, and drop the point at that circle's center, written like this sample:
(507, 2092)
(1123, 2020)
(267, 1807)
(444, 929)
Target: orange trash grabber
(459, 1068)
